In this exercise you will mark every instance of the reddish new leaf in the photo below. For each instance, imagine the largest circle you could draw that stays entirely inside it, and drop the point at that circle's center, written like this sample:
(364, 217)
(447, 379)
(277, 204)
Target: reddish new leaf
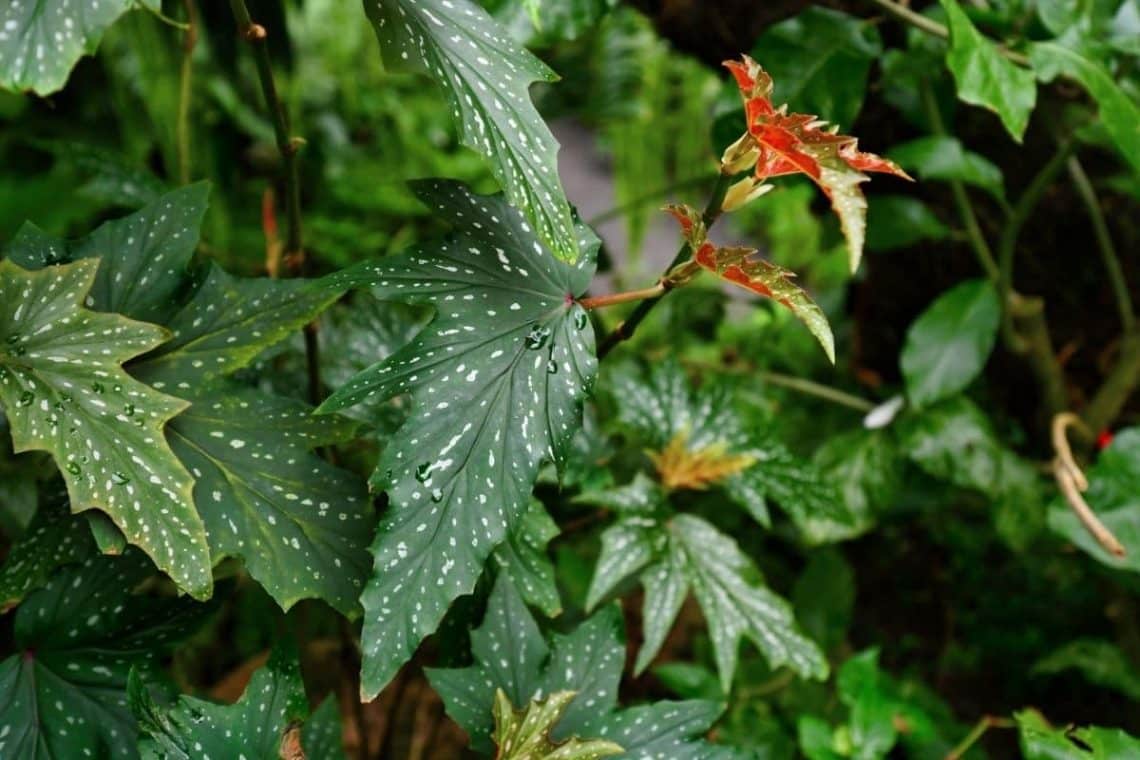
(802, 144)
(743, 267)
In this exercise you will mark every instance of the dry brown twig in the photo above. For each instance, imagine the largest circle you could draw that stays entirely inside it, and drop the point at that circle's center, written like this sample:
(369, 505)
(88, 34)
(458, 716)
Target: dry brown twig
(1072, 481)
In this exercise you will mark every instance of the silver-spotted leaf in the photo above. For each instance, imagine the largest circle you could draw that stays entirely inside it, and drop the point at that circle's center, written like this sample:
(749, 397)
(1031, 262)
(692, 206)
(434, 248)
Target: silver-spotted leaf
(523, 557)
(511, 655)
(486, 76)
(64, 694)
(525, 734)
(265, 718)
(54, 538)
(41, 40)
(300, 525)
(65, 392)
(143, 257)
(497, 380)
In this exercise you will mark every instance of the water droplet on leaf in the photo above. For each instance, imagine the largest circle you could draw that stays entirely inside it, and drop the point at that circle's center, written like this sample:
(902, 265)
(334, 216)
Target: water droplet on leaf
(423, 472)
(119, 478)
(552, 367)
(26, 398)
(73, 468)
(537, 337)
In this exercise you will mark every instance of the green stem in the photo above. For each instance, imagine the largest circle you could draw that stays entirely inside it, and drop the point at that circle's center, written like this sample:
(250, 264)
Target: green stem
(930, 26)
(1019, 215)
(978, 242)
(980, 728)
(810, 388)
(640, 201)
(185, 91)
(626, 329)
(288, 146)
(1104, 244)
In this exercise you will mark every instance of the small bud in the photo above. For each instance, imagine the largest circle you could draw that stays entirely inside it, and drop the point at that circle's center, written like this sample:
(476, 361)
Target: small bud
(743, 192)
(740, 156)
(255, 32)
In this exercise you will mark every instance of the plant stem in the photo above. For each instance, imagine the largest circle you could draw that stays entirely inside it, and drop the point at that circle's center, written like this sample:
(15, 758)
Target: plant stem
(1019, 215)
(811, 388)
(1114, 392)
(930, 26)
(288, 146)
(640, 201)
(985, 724)
(626, 329)
(1072, 482)
(185, 90)
(611, 299)
(978, 242)
(1104, 244)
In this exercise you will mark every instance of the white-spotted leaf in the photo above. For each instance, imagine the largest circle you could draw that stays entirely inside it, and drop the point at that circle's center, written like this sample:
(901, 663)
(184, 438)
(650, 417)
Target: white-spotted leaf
(486, 76)
(525, 734)
(259, 726)
(497, 380)
(511, 655)
(42, 40)
(523, 557)
(64, 693)
(65, 392)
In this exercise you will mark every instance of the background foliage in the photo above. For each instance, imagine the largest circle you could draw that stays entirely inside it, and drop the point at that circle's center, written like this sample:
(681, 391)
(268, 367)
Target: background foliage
(296, 412)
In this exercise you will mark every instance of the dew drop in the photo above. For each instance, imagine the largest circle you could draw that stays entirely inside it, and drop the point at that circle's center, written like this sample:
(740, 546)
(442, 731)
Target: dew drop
(26, 398)
(119, 478)
(437, 495)
(551, 367)
(73, 468)
(537, 337)
(129, 410)
(97, 387)
(581, 320)
(423, 472)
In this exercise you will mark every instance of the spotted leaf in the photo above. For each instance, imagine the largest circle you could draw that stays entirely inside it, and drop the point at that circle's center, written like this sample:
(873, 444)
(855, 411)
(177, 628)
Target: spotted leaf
(784, 143)
(65, 392)
(143, 257)
(511, 655)
(42, 40)
(53, 539)
(486, 76)
(743, 267)
(260, 725)
(659, 409)
(300, 525)
(524, 559)
(64, 693)
(497, 381)
(525, 734)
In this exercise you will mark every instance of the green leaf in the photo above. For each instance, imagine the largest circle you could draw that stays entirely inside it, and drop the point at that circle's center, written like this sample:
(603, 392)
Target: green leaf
(497, 381)
(1112, 495)
(1100, 662)
(54, 538)
(143, 258)
(321, 737)
(510, 654)
(724, 580)
(948, 345)
(820, 61)
(866, 465)
(664, 414)
(1118, 112)
(524, 559)
(899, 221)
(1040, 741)
(985, 77)
(41, 41)
(824, 597)
(256, 727)
(937, 157)
(300, 525)
(64, 693)
(525, 735)
(486, 76)
(954, 441)
(64, 389)
(227, 323)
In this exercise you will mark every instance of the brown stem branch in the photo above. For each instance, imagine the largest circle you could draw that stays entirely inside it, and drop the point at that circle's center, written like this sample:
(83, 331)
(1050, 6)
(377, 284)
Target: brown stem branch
(1104, 244)
(612, 299)
(1072, 482)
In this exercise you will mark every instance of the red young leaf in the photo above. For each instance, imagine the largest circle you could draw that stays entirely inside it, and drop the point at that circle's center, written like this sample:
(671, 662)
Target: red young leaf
(742, 267)
(802, 144)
